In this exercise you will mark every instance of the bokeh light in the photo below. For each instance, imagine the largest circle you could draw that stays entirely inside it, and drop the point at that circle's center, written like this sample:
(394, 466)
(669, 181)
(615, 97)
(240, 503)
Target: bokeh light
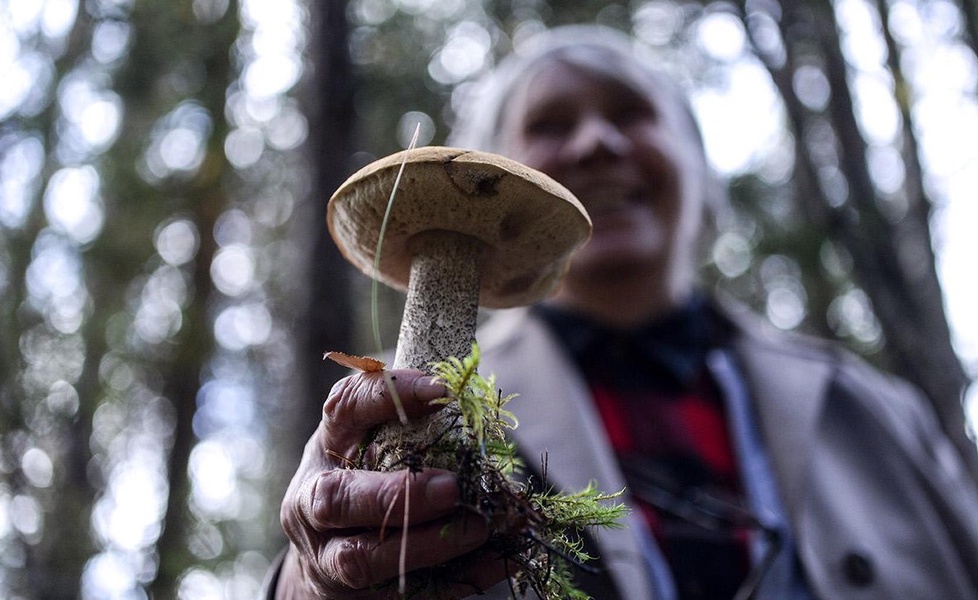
(223, 278)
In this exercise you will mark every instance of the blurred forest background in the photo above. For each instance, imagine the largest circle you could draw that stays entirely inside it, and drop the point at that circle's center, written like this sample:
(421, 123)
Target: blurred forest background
(167, 288)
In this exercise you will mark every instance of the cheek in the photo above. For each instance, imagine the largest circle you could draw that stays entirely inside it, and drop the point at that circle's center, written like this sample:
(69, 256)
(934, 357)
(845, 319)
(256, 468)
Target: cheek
(698, 182)
(692, 182)
(690, 218)
(539, 155)
(540, 160)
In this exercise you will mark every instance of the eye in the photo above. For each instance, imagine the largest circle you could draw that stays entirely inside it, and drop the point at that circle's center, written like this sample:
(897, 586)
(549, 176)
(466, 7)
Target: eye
(633, 113)
(547, 126)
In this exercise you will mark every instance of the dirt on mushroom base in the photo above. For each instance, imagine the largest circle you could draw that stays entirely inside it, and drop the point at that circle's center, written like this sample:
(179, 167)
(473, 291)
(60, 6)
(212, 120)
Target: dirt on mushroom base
(539, 530)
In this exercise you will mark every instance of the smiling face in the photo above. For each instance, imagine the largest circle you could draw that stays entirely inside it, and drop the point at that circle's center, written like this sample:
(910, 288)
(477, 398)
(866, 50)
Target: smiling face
(630, 153)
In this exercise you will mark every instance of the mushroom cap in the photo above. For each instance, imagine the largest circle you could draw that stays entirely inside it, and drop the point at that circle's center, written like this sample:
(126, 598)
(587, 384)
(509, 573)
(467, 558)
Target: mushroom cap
(529, 223)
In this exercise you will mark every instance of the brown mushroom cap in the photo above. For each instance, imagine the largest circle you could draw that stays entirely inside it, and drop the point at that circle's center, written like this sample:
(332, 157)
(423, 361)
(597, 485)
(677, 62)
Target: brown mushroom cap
(529, 223)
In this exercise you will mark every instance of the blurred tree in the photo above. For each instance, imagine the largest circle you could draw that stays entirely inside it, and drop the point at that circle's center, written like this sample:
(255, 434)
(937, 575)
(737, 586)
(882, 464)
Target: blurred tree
(149, 167)
(886, 236)
(167, 288)
(329, 102)
(36, 433)
(179, 60)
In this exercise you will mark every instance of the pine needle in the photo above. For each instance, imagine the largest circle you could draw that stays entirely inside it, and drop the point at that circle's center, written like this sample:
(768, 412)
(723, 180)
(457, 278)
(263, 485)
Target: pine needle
(375, 289)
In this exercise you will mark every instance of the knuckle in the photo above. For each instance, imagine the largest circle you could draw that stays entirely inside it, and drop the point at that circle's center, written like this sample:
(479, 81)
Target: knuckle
(348, 563)
(338, 400)
(291, 510)
(340, 407)
(289, 515)
(344, 499)
(390, 491)
(330, 500)
(296, 524)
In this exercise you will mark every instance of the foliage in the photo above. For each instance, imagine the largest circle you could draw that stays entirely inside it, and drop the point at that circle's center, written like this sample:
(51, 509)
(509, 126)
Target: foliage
(478, 402)
(158, 219)
(538, 531)
(146, 194)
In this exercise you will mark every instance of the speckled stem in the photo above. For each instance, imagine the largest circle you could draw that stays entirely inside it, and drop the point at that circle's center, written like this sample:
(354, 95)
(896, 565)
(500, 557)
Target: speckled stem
(442, 303)
(439, 322)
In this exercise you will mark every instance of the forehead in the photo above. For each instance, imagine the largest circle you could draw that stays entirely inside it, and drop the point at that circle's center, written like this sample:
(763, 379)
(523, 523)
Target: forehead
(545, 80)
(559, 82)
(612, 70)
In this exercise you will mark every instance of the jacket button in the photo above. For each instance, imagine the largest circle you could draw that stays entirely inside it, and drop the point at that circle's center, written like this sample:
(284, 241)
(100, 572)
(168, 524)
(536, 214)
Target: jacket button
(857, 569)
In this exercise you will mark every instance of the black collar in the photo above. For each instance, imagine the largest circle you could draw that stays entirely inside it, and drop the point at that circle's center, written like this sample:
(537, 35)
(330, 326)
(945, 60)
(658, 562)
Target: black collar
(668, 353)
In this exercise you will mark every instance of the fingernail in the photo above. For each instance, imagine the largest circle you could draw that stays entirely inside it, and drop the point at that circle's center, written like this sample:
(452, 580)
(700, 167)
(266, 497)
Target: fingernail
(441, 492)
(428, 388)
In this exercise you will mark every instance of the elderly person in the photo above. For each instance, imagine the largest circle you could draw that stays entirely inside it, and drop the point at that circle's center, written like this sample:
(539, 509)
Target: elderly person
(758, 464)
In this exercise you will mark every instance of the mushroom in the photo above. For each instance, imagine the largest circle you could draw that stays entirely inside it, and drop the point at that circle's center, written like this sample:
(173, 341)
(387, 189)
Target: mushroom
(465, 229)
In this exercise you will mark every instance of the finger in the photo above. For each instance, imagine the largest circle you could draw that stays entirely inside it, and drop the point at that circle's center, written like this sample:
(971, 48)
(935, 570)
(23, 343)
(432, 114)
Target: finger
(360, 402)
(477, 572)
(345, 498)
(366, 560)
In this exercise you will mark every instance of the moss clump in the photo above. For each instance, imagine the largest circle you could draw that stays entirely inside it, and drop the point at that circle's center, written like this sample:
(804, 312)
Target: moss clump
(539, 530)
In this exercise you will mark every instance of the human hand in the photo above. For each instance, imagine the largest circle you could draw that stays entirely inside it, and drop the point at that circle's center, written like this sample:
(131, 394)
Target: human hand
(345, 524)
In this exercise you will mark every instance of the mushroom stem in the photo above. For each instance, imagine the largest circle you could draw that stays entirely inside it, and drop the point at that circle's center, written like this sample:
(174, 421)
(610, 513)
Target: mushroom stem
(441, 309)
(467, 227)
(440, 315)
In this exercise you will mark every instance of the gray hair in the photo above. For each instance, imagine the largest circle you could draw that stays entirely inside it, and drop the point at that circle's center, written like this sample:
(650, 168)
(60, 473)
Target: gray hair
(596, 49)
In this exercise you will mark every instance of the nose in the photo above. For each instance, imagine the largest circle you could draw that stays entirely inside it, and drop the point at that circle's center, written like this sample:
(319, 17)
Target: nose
(596, 139)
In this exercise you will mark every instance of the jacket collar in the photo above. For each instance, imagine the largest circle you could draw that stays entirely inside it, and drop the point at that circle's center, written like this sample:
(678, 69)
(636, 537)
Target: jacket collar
(560, 428)
(668, 353)
(787, 378)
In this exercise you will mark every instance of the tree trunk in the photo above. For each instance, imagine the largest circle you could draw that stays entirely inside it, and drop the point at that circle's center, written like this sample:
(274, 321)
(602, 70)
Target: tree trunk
(326, 323)
(205, 198)
(895, 262)
(893, 258)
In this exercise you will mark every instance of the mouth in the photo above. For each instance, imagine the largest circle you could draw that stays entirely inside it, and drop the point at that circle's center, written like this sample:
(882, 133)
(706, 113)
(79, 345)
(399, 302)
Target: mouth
(609, 199)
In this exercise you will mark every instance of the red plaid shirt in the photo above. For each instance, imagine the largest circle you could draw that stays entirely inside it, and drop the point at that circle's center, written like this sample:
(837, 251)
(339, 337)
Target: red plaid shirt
(666, 422)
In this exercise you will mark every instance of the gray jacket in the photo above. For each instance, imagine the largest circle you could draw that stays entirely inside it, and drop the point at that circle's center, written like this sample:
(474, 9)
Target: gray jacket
(878, 501)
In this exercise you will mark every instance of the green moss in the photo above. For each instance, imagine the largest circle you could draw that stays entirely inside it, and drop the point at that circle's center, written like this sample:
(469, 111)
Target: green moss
(539, 532)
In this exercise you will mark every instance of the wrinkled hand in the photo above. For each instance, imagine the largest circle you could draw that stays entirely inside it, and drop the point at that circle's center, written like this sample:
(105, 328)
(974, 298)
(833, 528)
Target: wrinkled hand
(345, 524)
